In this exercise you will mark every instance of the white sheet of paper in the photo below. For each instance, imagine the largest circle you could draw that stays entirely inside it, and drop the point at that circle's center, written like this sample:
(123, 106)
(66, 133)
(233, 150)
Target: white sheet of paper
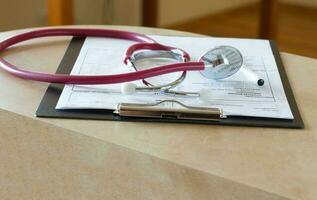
(237, 95)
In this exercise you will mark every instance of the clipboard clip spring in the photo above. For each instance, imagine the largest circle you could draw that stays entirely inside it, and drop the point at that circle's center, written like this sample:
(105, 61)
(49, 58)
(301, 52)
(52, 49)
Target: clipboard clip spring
(155, 111)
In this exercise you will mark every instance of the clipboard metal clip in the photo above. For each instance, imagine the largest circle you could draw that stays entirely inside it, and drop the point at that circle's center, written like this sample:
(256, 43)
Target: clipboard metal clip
(157, 111)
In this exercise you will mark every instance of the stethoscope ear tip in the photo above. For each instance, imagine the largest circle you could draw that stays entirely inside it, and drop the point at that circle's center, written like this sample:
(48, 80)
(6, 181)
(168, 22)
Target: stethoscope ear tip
(128, 88)
(205, 94)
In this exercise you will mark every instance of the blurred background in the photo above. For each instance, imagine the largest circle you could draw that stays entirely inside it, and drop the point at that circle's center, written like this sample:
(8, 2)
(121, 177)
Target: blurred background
(292, 23)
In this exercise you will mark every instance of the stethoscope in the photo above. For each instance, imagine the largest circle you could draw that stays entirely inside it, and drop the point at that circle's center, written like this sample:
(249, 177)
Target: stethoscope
(218, 63)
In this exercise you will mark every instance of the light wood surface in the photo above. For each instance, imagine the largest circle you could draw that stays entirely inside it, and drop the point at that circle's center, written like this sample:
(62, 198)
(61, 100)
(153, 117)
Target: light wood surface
(89, 159)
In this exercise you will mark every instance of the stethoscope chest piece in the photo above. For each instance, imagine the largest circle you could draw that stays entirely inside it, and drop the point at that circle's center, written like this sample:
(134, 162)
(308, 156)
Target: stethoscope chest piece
(221, 62)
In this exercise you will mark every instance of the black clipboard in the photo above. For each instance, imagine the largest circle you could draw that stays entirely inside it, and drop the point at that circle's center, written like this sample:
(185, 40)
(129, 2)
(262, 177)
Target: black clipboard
(53, 92)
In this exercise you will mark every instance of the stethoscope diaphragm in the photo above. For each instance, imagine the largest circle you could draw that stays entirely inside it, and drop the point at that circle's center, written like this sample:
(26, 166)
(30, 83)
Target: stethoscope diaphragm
(221, 62)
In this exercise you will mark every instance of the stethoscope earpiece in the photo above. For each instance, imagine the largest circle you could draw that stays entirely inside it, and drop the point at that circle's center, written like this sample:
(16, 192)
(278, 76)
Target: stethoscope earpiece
(205, 94)
(128, 88)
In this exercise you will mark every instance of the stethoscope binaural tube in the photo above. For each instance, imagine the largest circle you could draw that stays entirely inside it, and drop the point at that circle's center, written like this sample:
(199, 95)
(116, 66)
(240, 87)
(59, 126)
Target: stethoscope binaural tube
(90, 79)
(148, 51)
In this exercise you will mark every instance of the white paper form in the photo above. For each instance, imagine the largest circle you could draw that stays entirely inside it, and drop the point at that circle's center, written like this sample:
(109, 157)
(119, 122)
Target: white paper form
(237, 95)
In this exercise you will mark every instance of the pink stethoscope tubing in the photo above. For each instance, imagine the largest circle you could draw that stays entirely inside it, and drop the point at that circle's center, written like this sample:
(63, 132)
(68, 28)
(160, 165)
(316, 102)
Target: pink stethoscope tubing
(89, 79)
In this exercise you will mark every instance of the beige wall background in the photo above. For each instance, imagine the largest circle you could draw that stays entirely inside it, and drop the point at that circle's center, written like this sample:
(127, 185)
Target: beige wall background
(181, 10)
(108, 12)
(16, 14)
(175, 11)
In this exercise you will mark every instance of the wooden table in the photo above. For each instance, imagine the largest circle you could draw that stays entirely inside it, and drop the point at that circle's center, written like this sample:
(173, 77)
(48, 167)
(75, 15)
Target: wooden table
(88, 159)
